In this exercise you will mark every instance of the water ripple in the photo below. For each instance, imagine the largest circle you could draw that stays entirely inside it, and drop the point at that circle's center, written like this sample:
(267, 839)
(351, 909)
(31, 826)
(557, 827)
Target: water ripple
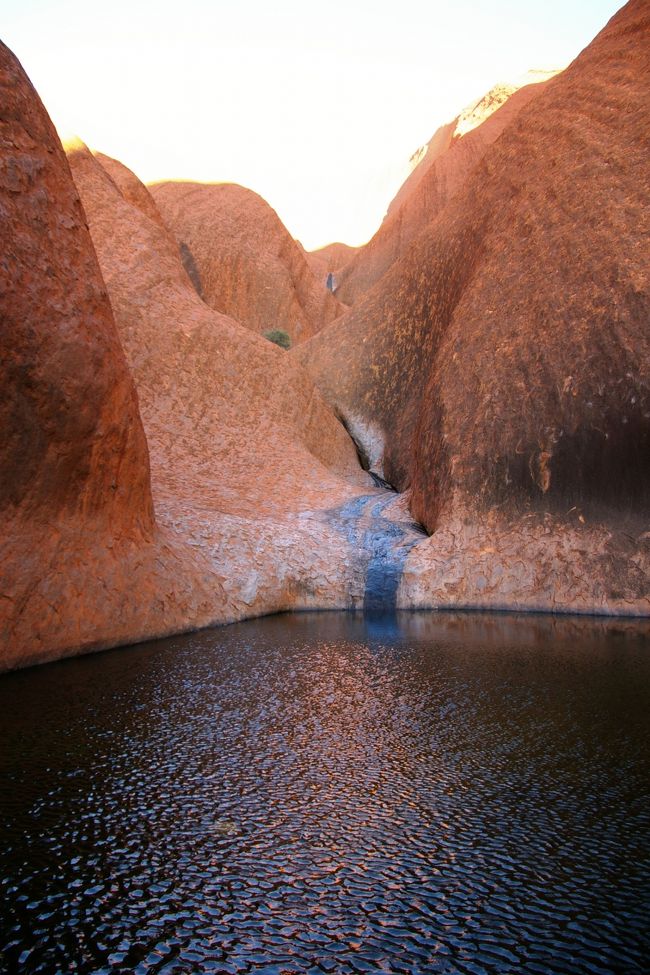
(449, 793)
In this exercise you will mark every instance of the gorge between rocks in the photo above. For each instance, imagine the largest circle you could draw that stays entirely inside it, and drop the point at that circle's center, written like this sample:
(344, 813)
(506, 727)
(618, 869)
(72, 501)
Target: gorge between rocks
(211, 436)
(165, 466)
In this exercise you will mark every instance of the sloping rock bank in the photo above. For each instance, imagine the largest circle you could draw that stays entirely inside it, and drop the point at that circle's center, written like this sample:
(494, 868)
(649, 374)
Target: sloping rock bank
(445, 165)
(77, 529)
(109, 538)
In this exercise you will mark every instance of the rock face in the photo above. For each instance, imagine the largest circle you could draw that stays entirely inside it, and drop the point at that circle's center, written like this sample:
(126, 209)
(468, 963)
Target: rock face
(333, 256)
(72, 440)
(248, 465)
(473, 117)
(330, 260)
(500, 371)
(249, 266)
(498, 374)
(228, 416)
(74, 479)
(443, 167)
(246, 460)
(128, 184)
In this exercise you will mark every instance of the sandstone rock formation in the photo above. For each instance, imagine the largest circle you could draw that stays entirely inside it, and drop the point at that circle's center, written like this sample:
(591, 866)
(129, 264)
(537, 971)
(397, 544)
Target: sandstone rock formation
(498, 374)
(225, 411)
(77, 521)
(249, 266)
(443, 167)
(247, 462)
(127, 183)
(246, 458)
(474, 116)
(500, 370)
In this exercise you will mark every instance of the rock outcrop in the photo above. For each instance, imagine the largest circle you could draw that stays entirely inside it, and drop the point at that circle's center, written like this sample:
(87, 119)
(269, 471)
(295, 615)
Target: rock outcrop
(77, 520)
(443, 167)
(249, 266)
(246, 459)
(500, 371)
(248, 465)
(128, 184)
(474, 116)
(228, 416)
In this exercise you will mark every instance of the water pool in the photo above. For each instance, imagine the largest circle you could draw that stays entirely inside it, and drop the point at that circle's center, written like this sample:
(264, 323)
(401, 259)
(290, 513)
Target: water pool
(324, 793)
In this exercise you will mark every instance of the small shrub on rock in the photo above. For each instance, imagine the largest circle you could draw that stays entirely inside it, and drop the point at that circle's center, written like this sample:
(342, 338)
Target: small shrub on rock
(283, 339)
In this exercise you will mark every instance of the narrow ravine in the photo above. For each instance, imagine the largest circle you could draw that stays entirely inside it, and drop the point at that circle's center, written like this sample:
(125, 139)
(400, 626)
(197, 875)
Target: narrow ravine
(383, 538)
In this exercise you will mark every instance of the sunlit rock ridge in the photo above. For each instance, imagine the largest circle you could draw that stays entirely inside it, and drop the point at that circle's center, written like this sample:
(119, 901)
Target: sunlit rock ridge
(443, 165)
(501, 365)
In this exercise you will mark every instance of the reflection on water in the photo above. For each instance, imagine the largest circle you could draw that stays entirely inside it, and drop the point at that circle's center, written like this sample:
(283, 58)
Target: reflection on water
(315, 793)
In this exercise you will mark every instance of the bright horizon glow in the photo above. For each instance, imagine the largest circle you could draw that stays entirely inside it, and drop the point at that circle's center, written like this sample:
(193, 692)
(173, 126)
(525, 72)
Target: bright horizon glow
(317, 109)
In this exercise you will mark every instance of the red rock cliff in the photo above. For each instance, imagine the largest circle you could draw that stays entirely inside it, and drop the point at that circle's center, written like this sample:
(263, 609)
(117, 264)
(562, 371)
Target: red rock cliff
(75, 501)
(72, 440)
(506, 356)
(450, 157)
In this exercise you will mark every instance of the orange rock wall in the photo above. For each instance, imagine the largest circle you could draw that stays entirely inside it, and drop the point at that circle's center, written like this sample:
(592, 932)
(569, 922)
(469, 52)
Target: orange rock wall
(250, 267)
(72, 440)
(449, 161)
(506, 355)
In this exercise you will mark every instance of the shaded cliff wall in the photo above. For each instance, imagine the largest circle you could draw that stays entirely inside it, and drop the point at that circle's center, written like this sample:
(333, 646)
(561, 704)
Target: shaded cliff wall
(505, 357)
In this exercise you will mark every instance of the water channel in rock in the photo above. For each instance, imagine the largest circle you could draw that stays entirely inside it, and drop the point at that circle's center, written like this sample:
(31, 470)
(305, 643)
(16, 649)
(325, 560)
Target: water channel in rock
(328, 793)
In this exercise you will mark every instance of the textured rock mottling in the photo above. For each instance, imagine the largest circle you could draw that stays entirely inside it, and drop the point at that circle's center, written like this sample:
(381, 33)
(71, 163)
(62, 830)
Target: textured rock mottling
(242, 447)
(77, 521)
(498, 374)
(445, 165)
(503, 364)
(330, 259)
(249, 266)
(246, 458)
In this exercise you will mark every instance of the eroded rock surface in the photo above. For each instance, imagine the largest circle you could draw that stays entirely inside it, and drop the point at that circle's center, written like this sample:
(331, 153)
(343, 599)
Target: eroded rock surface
(498, 375)
(330, 259)
(246, 458)
(443, 167)
(249, 266)
(244, 453)
(74, 467)
(502, 366)
(227, 414)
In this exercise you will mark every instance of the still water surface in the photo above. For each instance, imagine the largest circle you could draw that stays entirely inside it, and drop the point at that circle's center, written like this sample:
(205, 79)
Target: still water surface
(321, 794)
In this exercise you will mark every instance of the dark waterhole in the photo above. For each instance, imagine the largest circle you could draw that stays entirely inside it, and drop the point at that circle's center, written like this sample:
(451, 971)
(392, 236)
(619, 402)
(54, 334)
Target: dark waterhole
(315, 793)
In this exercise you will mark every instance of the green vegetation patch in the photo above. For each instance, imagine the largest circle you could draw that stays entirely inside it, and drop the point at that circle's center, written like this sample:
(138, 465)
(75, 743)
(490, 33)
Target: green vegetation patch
(283, 339)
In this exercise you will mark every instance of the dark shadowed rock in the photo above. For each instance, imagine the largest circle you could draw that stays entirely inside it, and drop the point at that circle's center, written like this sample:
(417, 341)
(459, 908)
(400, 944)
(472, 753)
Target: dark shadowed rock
(500, 370)
(72, 442)
(249, 266)
(187, 259)
(75, 501)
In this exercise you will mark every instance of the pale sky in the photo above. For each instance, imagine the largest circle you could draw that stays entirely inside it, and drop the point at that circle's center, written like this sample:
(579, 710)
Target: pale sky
(317, 107)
